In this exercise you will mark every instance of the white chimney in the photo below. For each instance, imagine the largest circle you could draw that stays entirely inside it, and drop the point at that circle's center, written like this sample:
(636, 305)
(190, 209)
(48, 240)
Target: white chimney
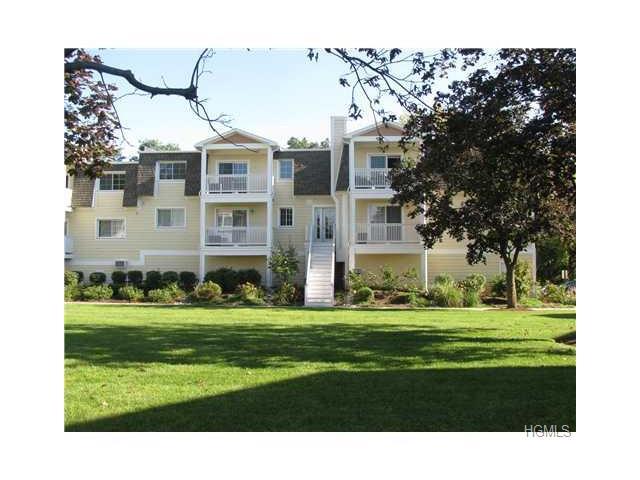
(338, 131)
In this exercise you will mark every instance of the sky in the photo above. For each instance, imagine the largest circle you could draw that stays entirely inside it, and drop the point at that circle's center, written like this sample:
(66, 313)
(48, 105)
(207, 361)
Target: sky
(273, 93)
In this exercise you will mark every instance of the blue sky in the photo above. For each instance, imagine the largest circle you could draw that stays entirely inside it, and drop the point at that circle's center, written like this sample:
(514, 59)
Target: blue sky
(273, 93)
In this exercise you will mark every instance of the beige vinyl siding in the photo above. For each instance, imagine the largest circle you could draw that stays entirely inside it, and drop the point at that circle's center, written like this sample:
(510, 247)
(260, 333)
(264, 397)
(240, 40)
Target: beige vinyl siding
(363, 150)
(456, 265)
(398, 262)
(257, 160)
(140, 225)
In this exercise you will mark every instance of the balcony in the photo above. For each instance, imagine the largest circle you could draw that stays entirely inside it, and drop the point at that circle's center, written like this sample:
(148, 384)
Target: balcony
(236, 236)
(372, 178)
(68, 246)
(237, 183)
(375, 233)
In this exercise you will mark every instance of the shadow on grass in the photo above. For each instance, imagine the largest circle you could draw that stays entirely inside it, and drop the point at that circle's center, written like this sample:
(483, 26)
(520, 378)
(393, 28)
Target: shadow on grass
(485, 399)
(264, 345)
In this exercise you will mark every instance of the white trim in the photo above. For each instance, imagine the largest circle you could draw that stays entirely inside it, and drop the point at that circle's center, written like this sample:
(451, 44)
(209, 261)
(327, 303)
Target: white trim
(375, 139)
(171, 180)
(124, 222)
(231, 132)
(304, 150)
(278, 177)
(293, 217)
(372, 126)
(177, 227)
(141, 259)
(111, 190)
(215, 216)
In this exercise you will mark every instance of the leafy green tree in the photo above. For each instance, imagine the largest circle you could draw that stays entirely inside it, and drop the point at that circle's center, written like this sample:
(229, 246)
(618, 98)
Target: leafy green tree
(157, 145)
(295, 142)
(496, 163)
(553, 255)
(284, 263)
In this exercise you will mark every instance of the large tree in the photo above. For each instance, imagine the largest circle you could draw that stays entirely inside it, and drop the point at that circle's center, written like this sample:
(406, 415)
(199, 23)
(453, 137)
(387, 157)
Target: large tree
(93, 130)
(157, 145)
(295, 142)
(496, 162)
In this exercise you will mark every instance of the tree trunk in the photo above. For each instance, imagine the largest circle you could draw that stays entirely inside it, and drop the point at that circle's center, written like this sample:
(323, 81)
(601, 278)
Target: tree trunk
(512, 296)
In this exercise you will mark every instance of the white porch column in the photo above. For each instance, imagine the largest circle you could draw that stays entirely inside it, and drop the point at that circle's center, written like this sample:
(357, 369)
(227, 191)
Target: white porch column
(352, 220)
(201, 267)
(352, 166)
(424, 269)
(269, 170)
(203, 171)
(269, 279)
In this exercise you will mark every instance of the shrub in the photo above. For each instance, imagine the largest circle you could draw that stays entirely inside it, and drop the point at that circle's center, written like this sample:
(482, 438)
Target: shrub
(80, 276)
(250, 275)
(363, 295)
(403, 298)
(72, 292)
(118, 277)
(131, 293)
(70, 278)
(169, 294)
(170, 277)
(283, 262)
(409, 280)
(188, 281)
(472, 287)
(97, 278)
(97, 292)
(206, 292)
(524, 281)
(558, 294)
(443, 279)
(356, 280)
(134, 277)
(390, 281)
(225, 277)
(530, 302)
(250, 294)
(445, 294)
(153, 280)
(285, 294)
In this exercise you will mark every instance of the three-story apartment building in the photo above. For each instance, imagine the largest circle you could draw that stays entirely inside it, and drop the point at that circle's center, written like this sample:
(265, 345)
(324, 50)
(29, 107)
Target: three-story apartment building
(232, 199)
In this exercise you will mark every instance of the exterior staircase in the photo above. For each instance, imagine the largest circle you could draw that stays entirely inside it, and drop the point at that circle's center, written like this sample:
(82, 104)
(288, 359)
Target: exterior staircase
(318, 290)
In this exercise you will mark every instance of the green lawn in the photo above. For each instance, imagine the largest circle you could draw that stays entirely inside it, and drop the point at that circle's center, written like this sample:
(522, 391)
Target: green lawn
(180, 368)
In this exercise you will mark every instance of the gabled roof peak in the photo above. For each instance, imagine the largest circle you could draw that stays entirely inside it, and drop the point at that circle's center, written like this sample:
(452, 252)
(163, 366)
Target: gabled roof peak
(373, 129)
(236, 135)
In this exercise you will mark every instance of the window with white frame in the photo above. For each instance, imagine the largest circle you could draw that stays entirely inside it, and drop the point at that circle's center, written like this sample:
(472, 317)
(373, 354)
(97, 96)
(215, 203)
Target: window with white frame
(170, 218)
(384, 161)
(285, 169)
(385, 214)
(172, 170)
(286, 217)
(112, 181)
(111, 228)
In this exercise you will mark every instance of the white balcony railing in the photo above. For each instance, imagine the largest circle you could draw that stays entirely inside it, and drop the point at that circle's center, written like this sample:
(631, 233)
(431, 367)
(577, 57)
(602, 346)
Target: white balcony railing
(234, 183)
(372, 178)
(68, 245)
(236, 236)
(386, 233)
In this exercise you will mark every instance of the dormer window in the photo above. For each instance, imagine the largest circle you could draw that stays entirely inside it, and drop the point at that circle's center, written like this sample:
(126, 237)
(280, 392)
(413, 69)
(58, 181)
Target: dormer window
(285, 169)
(172, 170)
(112, 181)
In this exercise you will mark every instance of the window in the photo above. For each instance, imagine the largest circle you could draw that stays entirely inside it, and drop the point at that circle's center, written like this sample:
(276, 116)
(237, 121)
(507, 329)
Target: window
(286, 217)
(384, 161)
(286, 169)
(111, 228)
(385, 214)
(231, 218)
(233, 168)
(112, 181)
(172, 170)
(170, 217)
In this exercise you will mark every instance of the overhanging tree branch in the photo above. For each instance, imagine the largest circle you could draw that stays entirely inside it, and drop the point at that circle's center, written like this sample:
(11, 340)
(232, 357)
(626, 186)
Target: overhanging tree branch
(190, 93)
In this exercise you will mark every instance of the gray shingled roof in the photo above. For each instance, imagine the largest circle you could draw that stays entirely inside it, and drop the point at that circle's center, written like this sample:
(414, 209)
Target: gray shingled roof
(146, 171)
(82, 194)
(342, 183)
(312, 171)
(130, 195)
